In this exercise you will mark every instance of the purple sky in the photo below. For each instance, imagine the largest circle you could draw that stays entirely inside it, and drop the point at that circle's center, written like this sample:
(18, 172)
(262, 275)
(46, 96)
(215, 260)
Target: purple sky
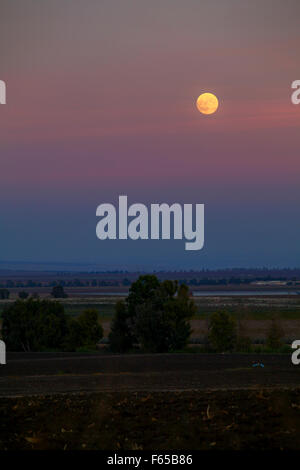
(101, 102)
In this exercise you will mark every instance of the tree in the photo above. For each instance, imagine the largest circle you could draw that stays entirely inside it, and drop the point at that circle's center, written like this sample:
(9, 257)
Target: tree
(222, 332)
(120, 336)
(73, 338)
(41, 325)
(34, 325)
(84, 331)
(141, 291)
(161, 323)
(58, 292)
(155, 315)
(90, 329)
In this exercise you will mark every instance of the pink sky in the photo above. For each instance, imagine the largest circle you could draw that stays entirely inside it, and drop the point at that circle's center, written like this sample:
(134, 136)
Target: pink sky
(101, 101)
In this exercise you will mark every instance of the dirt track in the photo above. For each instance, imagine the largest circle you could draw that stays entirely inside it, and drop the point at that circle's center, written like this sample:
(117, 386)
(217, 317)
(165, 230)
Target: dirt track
(35, 374)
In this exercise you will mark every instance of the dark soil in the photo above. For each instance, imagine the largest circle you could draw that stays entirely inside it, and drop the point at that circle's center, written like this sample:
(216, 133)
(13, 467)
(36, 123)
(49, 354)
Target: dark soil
(39, 374)
(223, 420)
(154, 402)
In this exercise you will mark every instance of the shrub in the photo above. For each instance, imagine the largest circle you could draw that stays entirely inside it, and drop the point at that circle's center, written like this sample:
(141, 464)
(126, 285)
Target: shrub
(274, 335)
(73, 338)
(222, 332)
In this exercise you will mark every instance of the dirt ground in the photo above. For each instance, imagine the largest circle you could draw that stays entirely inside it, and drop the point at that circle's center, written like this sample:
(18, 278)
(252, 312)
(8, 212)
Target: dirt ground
(44, 373)
(152, 402)
(202, 420)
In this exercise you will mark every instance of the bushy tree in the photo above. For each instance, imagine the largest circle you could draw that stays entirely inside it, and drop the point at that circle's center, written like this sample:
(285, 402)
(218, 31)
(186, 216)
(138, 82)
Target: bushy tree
(73, 339)
(161, 323)
(40, 325)
(91, 330)
(34, 325)
(58, 292)
(156, 315)
(222, 335)
(120, 336)
(143, 290)
(84, 330)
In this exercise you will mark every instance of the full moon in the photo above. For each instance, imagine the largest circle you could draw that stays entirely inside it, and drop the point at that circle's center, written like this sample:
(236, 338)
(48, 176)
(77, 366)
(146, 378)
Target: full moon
(207, 103)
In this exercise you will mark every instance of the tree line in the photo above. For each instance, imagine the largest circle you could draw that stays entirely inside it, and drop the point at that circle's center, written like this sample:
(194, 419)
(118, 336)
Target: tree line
(154, 317)
(43, 325)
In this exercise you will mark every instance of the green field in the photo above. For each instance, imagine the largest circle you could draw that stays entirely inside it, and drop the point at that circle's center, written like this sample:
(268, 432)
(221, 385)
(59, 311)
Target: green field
(248, 308)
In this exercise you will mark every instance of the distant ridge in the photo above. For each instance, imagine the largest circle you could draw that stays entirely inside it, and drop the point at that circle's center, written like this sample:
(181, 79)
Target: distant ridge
(15, 267)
